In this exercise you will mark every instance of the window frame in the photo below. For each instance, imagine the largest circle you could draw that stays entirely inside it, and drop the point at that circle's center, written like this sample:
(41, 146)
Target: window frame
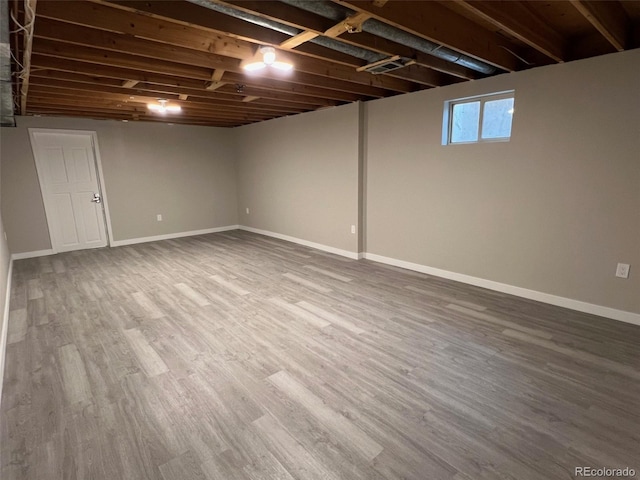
(447, 122)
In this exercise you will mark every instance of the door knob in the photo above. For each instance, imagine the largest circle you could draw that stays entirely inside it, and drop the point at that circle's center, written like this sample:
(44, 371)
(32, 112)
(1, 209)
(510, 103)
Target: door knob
(96, 198)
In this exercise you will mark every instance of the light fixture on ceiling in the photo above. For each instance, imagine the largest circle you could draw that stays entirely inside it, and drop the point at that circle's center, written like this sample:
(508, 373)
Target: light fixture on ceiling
(162, 107)
(266, 57)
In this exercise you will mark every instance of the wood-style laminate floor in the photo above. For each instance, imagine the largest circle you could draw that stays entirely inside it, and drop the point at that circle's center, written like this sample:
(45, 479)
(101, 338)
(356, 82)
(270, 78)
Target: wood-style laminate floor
(234, 356)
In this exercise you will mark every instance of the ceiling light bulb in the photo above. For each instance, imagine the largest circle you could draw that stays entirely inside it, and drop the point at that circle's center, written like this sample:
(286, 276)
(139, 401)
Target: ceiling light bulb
(253, 66)
(285, 67)
(162, 107)
(156, 108)
(268, 60)
(268, 55)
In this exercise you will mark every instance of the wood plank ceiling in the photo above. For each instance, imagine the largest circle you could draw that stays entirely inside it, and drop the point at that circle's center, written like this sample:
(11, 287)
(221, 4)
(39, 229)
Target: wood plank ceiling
(109, 59)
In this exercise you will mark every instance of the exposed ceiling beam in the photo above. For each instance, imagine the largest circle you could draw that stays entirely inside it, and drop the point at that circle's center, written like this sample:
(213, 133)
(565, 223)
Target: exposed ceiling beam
(90, 37)
(609, 18)
(278, 88)
(109, 58)
(211, 86)
(216, 80)
(267, 96)
(308, 23)
(128, 61)
(517, 19)
(328, 61)
(115, 59)
(79, 35)
(435, 22)
(79, 110)
(292, 16)
(149, 94)
(112, 19)
(191, 15)
(298, 40)
(43, 96)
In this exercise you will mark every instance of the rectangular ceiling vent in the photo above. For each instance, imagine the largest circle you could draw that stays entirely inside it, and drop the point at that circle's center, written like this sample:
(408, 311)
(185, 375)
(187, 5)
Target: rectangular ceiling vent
(384, 66)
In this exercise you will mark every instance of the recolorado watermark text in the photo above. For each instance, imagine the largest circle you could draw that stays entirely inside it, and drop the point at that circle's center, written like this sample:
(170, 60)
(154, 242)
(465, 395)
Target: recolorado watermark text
(604, 472)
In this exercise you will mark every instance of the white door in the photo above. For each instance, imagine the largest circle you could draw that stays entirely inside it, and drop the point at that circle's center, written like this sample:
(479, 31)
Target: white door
(66, 164)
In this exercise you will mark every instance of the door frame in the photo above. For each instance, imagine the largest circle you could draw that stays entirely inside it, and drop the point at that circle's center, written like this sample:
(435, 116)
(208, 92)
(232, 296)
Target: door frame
(101, 185)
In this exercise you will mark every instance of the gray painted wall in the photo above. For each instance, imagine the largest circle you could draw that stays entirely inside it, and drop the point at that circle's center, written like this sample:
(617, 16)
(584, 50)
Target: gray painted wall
(299, 176)
(185, 173)
(22, 205)
(553, 210)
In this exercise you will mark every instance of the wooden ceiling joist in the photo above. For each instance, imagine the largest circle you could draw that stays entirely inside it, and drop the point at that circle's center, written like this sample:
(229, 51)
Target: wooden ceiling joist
(298, 40)
(115, 107)
(517, 19)
(277, 87)
(144, 97)
(106, 114)
(307, 22)
(609, 18)
(216, 80)
(109, 58)
(134, 62)
(303, 63)
(106, 17)
(436, 23)
(53, 30)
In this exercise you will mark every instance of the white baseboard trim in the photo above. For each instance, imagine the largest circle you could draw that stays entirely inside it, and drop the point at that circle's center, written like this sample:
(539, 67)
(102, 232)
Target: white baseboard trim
(131, 241)
(306, 243)
(580, 306)
(169, 236)
(35, 253)
(5, 326)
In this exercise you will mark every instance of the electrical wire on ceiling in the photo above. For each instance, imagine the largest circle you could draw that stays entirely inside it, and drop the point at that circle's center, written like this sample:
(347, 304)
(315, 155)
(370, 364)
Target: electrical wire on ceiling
(517, 56)
(28, 30)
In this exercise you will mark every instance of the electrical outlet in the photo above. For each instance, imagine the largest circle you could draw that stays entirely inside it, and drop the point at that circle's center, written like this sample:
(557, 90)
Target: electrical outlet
(247, 210)
(353, 229)
(159, 217)
(622, 270)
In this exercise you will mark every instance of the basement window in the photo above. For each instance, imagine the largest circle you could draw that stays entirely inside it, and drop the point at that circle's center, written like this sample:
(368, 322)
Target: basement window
(485, 118)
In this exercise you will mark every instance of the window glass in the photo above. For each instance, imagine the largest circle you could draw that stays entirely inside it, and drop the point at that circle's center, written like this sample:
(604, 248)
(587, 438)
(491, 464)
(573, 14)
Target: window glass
(483, 118)
(464, 122)
(496, 118)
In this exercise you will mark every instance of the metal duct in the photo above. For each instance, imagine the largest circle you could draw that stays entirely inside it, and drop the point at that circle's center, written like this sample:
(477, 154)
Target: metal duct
(325, 9)
(394, 34)
(381, 29)
(6, 98)
(358, 52)
(247, 17)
